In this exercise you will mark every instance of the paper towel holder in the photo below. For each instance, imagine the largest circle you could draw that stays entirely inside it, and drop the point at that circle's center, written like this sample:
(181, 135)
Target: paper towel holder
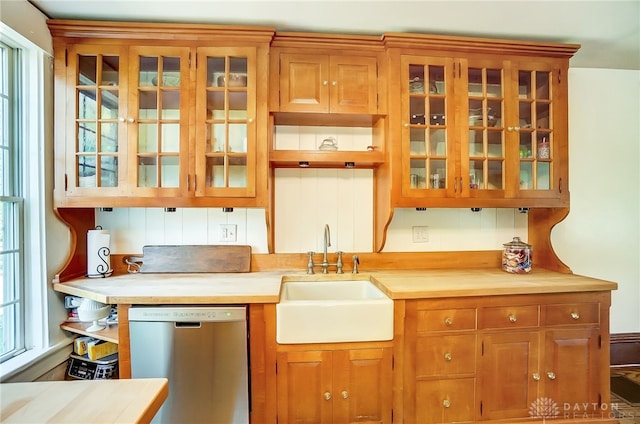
(101, 267)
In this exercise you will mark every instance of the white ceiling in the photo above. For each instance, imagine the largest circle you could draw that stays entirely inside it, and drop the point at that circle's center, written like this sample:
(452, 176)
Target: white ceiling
(609, 31)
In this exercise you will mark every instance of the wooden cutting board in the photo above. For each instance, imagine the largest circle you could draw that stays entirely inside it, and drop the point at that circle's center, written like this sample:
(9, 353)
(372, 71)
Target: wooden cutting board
(194, 258)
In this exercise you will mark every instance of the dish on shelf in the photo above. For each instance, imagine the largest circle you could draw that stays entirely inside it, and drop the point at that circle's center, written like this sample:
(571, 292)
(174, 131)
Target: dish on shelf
(167, 80)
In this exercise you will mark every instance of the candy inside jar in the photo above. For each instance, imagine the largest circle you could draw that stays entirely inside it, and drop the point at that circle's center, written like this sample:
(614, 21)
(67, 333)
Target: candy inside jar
(516, 256)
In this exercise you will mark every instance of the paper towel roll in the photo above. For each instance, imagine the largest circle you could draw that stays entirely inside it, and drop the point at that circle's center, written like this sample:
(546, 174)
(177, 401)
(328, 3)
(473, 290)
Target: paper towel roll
(98, 253)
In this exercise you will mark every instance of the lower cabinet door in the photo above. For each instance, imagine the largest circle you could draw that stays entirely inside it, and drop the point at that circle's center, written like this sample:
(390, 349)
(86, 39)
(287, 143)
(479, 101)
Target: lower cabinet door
(445, 401)
(509, 375)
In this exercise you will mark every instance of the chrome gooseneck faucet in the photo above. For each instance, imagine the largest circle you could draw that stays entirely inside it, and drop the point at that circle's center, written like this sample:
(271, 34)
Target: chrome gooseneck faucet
(327, 243)
(325, 258)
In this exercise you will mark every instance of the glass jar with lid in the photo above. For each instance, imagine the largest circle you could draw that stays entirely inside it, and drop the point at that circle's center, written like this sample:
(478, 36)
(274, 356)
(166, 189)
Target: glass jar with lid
(516, 256)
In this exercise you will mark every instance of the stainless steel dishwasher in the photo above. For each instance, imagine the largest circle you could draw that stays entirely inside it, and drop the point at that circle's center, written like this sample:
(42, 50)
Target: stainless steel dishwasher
(202, 350)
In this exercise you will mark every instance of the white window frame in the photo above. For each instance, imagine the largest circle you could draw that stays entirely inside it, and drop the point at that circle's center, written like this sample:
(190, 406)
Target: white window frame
(31, 134)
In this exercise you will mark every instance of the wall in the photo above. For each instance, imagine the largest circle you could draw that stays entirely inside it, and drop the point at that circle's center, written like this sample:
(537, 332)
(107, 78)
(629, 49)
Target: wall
(601, 236)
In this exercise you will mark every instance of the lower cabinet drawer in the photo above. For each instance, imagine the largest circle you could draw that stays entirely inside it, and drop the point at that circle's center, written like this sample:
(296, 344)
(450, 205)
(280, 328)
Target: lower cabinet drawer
(445, 401)
(508, 317)
(445, 355)
(571, 313)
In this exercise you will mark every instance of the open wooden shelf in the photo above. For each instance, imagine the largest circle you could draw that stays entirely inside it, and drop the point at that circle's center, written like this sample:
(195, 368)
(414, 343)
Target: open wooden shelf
(109, 334)
(325, 158)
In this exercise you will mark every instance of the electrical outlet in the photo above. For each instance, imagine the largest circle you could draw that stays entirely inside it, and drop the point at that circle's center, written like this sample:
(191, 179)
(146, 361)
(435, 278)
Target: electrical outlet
(227, 232)
(420, 234)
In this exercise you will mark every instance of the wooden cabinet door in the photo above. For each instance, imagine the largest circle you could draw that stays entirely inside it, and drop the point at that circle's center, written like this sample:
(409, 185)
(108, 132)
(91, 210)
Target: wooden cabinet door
(96, 126)
(539, 98)
(429, 152)
(304, 388)
(304, 83)
(508, 374)
(226, 115)
(353, 84)
(158, 123)
(362, 386)
(570, 369)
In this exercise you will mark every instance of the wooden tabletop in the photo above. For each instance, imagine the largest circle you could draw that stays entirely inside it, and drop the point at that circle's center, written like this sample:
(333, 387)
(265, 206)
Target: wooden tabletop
(83, 401)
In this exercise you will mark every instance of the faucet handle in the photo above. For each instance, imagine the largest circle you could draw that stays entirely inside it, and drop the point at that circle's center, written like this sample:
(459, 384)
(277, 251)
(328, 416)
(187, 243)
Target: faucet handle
(356, 262)
(339, 263)
(310, 264)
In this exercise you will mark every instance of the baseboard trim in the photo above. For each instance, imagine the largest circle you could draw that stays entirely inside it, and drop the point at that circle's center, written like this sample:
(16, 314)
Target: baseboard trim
(625, 349)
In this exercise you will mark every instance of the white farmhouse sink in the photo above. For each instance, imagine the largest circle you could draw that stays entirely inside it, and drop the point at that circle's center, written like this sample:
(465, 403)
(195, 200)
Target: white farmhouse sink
(333, 311)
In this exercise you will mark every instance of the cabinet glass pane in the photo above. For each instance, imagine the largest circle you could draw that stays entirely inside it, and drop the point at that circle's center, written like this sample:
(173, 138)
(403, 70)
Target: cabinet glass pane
(495, 175)
(170, 171)
(147, 171)
(97, 113)
(109, 171)
(427, 132)
(159, 127)
(536, 129)
(227, 120)
(237, 171)
(109, 137)
(486, 133)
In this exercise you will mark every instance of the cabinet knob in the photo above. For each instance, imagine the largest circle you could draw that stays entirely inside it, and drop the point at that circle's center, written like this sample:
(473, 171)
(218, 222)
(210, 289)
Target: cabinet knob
(121, 119)
(325, 82)
(406, 125)
(131, 120)
(250, 120)
(536, 376)
(446, 403)
(334, 83)
(575, 315)
(512, 318)
(327, 396)
(344, 394)
(551, 375)
(448, 357)
(448, 321)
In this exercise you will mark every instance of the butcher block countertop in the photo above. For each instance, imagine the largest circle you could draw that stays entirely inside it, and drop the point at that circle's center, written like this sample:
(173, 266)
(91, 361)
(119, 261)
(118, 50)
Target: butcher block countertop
(83, 401)
(264, 287)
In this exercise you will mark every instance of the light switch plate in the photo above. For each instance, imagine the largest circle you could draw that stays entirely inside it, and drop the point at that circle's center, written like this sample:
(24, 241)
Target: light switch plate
(420, 234)
(227, 232)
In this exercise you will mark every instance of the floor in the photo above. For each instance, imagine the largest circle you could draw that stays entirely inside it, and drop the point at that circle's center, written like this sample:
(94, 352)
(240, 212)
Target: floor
(627, 414)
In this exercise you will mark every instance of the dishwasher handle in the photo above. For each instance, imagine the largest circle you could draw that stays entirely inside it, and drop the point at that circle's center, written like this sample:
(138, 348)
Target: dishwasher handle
(188, 324)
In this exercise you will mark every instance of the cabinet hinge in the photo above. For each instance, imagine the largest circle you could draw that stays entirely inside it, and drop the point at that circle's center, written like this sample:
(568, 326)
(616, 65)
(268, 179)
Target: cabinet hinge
(66, 54)
(393, 362)
(559, 75)
(599, 341)
(480, 408)
(482, 348)
(65, 182)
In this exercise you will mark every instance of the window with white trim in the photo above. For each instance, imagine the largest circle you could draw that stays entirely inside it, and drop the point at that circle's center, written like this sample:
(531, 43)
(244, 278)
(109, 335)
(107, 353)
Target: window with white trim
(23, 310)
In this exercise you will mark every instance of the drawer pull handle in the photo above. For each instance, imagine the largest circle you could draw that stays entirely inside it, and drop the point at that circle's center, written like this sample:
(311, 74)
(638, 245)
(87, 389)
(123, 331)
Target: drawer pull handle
(448, 321)
(344, 394)
(512, 318)
(575, 315)
(536, 376)
(446, 403)
(448, 357)
(327, 396)
(551, 375)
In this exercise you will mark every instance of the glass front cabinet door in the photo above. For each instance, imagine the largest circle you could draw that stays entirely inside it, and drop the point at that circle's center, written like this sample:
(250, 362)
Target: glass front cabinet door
(96, 136)
(482, 129)
(158, 121)
(225, 151)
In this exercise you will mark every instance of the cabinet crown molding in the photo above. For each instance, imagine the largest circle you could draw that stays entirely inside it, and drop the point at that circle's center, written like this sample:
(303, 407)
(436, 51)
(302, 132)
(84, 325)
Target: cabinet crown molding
(450, 43)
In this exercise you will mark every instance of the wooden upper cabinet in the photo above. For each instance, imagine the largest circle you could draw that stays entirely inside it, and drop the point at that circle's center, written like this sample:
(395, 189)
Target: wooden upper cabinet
(160, 114)
(328, 84)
